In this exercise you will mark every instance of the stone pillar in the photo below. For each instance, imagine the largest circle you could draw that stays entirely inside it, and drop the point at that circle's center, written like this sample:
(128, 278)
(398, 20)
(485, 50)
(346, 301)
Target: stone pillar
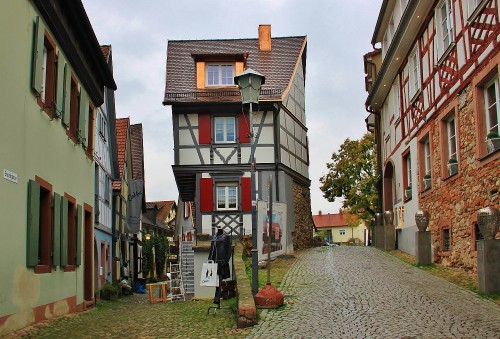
(488, 251)
(378, 231)
(423, 238)
(389, 231)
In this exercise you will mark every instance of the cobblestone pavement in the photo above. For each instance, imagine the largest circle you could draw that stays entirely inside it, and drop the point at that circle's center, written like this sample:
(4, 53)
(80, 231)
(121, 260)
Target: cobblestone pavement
(362, 292)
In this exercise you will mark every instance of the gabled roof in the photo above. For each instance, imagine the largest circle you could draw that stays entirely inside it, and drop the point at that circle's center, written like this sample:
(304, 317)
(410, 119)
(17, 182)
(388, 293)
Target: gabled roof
(121, 142)
(136, 143)
(277, 65)
(164, 208)
(106, 49)
(331, 220)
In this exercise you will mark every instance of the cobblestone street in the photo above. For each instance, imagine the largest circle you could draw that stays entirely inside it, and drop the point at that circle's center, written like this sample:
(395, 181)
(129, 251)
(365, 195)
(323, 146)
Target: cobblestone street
(361, 292)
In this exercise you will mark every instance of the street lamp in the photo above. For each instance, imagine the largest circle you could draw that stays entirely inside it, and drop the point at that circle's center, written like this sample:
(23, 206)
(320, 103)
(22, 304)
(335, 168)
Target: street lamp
(249, 83)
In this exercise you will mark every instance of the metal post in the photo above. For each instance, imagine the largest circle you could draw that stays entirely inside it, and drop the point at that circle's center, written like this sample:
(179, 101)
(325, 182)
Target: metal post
(255, 260)
(269, 228)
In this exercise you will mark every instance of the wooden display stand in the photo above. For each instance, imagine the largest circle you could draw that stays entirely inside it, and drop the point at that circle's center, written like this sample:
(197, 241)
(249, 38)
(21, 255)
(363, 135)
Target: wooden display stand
(162, 289)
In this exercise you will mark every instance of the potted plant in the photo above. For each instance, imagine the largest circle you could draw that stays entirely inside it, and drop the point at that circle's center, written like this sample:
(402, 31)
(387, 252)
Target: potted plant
(427, 181)
(109, 291)
(492, 141)
(452, 166)
(408, 192)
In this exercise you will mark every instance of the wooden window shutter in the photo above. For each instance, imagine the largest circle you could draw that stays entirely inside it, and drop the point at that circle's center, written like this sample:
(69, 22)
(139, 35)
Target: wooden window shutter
(244, 128)
(79, 221)
(64, 231)
(56, 230)
(60, 84)
(82, 119)
(204, 129)
(246, 194)
(37, 61)
(67, 95)
(33, 223)
(206, 195)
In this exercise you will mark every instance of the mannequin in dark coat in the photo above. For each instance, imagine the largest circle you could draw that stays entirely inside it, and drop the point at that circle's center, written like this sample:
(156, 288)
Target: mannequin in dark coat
(220, 252)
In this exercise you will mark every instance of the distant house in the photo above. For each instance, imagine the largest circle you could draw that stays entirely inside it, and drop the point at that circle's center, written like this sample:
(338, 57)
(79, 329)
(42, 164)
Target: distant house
(53, 75)
(106, 169)
(212, 131)
(340, 228)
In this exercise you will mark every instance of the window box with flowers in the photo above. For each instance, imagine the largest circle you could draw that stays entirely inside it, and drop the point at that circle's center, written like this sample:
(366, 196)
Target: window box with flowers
(427, 181)
(408, 193)
(452, 166)
(492, 142)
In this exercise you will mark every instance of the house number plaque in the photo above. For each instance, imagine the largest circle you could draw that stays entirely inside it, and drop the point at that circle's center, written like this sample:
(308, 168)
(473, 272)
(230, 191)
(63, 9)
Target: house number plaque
(11, 176)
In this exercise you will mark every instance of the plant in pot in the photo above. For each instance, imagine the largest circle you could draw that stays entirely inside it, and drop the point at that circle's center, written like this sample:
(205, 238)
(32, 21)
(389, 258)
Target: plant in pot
(452, 166)
(427, 181)
(492, 141)
(109, 291)
(408, 192)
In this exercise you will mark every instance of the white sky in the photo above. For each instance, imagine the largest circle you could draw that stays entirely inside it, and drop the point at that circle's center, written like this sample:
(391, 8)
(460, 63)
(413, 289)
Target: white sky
(339, 32)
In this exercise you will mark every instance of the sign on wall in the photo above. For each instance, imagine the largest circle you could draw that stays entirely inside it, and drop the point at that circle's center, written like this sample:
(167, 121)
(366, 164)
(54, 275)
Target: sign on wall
(278, 229)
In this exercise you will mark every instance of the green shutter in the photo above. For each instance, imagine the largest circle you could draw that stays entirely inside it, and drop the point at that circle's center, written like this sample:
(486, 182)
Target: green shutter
(67, 95)
(64, 231)
(79, 220)
(33, 224)
(60, 83)
(56, 230)
(82, 120)
(37, 61)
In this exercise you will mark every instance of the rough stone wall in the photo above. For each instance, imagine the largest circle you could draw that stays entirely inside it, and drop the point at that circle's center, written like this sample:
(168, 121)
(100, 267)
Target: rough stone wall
(303, 234)
(456, 200)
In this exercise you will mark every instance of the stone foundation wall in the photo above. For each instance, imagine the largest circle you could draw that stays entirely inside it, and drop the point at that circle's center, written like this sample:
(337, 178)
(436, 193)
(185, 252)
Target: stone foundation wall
(303, 234)
(454, 201)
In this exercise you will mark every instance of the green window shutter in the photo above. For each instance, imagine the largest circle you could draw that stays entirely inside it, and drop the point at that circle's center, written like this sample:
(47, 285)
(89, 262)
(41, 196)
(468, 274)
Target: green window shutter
(64, 231)
(79, 220)
(60, 83)
(37, 61)
(82, 121)
(67, 95)
(56, 230)
(33, 230)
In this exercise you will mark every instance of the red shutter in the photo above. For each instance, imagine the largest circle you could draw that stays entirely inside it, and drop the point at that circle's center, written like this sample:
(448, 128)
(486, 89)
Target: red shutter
(246, 194)
(244, 128)
(204, 129)
(206, 195)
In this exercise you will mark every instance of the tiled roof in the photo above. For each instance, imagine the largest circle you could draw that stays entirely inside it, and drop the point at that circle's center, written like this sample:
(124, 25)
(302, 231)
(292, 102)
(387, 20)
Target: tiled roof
(164, 208)
(276, 65)
(330, 220)
(136, 144)
(150, 205)
(121, 142)
(106, 49)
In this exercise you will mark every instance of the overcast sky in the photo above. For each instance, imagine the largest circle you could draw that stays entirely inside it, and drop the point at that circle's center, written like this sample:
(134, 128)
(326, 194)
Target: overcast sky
(339, 32)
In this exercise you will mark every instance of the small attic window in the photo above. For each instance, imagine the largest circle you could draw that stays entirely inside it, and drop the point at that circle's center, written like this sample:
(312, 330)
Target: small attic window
(219, 74)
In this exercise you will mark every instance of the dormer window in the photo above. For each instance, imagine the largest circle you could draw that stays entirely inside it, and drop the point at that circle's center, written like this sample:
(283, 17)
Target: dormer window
(220, 74)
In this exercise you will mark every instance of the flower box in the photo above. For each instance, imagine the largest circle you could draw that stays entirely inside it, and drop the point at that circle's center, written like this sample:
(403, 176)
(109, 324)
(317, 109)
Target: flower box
(408, 193)
(452, 167)
(427, 182)
(492, 144)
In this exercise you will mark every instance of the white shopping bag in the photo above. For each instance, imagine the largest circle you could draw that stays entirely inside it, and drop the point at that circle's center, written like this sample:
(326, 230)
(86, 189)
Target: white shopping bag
(209, 276)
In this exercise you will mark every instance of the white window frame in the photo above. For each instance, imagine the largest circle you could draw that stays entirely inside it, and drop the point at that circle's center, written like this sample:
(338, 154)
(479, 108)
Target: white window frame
(218, 70)
(414, 72)
(342, 232)
(396, 100)
(451, 129)
(472, 5)
(427, 156)
(444, 27)
(225, 138)
(494, 105)
(102, 125)
(408, 170)
(44, 74)
(224, 198)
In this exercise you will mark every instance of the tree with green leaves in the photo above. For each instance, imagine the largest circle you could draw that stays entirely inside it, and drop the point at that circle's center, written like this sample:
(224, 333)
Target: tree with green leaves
(352, 175)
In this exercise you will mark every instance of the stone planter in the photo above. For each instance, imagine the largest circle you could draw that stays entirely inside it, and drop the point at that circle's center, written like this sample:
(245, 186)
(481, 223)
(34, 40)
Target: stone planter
(408, 193)
(422, 219)
(452, 168)
(488, 220)
(492, 144)
(427, 183)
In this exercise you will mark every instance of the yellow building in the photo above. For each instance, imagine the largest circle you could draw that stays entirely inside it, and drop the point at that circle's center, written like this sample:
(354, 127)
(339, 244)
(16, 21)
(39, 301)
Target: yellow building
(340, 228)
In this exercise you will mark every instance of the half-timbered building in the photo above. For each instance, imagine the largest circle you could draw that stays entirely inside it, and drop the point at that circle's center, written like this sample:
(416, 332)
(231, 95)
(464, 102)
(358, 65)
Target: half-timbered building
(434, 106)
(212, 130)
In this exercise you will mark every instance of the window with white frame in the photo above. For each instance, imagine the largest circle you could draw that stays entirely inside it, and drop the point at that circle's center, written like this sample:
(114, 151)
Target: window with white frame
(452, 138)
(444, 26)
(342, 232)
(220, 74)
(225, 129)
(427, 157)
(414, 72)
(102, 125)
(492, 104)
(396, 99)
(472, 5)
(227, 195)
(408, 170)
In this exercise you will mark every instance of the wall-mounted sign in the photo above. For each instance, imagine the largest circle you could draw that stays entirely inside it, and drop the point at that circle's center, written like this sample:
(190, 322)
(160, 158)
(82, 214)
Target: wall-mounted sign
(11, 176)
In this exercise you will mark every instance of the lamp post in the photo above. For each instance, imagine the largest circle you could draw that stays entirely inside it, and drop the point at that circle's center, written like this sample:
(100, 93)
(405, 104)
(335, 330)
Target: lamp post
(249, 83)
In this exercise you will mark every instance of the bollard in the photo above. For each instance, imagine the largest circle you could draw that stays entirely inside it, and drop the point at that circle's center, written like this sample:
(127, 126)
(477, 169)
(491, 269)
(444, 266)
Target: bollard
(488, 251)
(423, 238)
(389, 231)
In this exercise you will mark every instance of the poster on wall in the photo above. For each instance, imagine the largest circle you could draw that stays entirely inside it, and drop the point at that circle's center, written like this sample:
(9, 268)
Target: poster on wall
(278, 229)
